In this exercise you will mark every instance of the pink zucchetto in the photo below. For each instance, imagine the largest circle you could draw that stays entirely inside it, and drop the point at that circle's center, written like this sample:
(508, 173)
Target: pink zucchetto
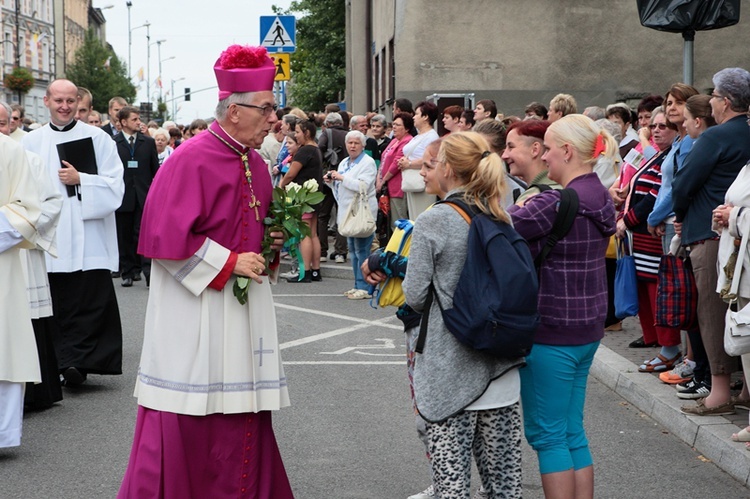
(242, 68)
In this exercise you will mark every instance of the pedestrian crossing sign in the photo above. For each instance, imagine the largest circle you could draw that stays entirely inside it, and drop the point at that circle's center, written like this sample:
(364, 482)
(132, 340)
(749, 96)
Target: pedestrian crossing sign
(278, 33)
(282, 66)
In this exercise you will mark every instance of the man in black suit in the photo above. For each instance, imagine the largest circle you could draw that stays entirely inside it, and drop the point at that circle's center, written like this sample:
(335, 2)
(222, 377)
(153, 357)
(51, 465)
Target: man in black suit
(115, 105)
(140, 162)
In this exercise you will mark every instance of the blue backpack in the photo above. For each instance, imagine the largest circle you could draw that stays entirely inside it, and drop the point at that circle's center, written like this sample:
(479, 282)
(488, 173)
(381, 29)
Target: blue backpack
(494, 307)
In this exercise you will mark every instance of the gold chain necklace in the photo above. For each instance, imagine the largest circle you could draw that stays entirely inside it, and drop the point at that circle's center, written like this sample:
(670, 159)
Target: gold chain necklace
(254, 203)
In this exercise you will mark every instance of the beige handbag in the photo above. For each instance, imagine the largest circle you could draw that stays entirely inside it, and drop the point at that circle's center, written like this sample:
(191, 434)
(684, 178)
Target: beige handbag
(411, 181)
(358, 221)
(737, 324)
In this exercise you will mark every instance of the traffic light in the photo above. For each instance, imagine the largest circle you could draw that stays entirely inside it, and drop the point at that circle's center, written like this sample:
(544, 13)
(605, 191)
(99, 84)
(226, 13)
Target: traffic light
(187, 93)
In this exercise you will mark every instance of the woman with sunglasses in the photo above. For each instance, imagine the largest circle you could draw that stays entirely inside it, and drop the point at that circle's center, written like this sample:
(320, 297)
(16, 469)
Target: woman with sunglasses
(642, 192)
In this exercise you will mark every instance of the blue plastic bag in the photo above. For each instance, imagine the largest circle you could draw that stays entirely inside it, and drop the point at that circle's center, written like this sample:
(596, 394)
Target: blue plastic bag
(626, 283)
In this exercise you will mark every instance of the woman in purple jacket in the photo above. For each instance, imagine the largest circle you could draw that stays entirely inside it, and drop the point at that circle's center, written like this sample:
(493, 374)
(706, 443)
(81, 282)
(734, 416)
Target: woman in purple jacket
(572, 305)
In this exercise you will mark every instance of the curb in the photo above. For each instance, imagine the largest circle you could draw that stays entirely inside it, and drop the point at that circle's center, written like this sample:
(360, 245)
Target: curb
(708, 435)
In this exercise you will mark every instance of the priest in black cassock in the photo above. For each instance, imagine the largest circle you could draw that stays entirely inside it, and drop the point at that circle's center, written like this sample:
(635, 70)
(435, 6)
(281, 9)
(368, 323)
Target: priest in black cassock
(91, 181)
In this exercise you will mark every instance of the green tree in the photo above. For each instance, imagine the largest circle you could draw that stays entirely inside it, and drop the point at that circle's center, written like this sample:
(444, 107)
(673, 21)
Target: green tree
(98, 68)
(319, 64)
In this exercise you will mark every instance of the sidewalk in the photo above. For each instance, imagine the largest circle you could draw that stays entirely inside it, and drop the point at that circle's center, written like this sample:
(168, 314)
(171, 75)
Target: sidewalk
(616, 366)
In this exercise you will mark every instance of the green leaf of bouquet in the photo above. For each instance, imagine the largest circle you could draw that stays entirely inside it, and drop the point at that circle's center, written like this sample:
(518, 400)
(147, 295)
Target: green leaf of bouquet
(239, 291)
(315, 197)
(291, 226)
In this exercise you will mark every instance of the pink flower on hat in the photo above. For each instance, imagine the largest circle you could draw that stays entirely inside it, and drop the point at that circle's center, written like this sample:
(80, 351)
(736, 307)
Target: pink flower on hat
(243, 56)
(244, 68)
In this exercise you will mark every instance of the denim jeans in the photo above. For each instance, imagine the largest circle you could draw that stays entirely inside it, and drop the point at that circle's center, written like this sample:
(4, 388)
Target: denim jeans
(359, 249)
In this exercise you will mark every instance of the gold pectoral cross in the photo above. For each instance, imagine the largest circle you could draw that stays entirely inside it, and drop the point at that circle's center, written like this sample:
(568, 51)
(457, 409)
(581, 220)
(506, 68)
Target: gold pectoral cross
(254, 204)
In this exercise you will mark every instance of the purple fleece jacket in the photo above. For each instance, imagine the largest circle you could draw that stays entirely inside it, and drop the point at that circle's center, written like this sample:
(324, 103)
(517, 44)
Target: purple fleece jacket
(572, 281)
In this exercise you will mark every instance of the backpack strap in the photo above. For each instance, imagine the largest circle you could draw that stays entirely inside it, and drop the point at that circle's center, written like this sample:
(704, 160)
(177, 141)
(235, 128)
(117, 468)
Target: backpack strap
(419, 347)
(566, 215)
(461, 206)
(329, 133)
(541, 187)
(329, 146)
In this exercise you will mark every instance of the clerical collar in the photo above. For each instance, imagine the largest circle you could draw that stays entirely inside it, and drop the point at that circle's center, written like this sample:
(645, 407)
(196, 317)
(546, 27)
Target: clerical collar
(65, 128)
(239, 144)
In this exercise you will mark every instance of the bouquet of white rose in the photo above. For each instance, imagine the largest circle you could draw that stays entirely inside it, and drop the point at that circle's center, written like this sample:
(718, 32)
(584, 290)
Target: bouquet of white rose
(285, 216)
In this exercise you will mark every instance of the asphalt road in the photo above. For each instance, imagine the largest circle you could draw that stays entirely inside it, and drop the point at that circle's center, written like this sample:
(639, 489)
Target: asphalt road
(349, 432)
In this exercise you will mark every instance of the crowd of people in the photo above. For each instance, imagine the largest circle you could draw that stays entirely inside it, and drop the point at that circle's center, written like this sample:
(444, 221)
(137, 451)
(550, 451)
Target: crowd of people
(87, 199)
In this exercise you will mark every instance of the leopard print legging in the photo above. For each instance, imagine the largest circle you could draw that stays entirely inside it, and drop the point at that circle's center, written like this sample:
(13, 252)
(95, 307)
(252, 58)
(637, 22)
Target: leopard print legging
(493, 436)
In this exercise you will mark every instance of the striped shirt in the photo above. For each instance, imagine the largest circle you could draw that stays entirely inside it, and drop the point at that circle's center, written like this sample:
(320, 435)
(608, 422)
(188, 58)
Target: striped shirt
(644, 189)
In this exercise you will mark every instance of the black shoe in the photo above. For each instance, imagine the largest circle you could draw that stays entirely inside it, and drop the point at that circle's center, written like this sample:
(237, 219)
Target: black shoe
(72, 377)
(694, 390)
(315, 275)
(639, 343)
(307, 278)
(116, 275)
(137, 277)
(148, 280)
(127, 282)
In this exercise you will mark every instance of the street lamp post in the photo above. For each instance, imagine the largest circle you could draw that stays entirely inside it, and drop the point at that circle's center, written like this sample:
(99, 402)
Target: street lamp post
(158, 55)
(174, 100)
(161, 80)
(148, 62)
(130, 40)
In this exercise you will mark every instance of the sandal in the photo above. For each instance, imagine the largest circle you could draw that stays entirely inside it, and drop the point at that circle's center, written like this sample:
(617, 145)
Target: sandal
(639, 343)
(742, 436)
(664, 364)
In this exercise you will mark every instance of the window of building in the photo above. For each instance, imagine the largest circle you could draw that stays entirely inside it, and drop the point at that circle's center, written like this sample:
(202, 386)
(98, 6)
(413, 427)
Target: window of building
(375, 82)
(45, 57)
(392, 79)
(22, 48)
(35, 48)
(8, 48)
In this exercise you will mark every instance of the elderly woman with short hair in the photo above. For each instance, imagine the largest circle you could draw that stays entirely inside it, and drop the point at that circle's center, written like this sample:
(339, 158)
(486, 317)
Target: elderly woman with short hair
(161, 137)
(354, 171)
(378, 128)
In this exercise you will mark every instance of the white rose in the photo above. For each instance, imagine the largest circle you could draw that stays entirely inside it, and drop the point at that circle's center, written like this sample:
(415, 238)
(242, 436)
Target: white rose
(311, 185)
(291, 186)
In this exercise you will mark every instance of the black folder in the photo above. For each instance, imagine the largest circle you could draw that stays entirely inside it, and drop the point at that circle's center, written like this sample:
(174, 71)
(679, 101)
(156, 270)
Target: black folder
(79, 153)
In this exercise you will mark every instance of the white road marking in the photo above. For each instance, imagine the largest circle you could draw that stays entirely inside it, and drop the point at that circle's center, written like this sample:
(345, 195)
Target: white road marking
(345, 363)
(335, 332)
(387, 344)
(340, 295)
(379, 322)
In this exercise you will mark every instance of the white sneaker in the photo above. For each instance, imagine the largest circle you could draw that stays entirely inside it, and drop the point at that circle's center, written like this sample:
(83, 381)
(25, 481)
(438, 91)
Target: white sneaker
(359, 294)
(340, 259)
(427, 493)
(323, 259)
(292, 274)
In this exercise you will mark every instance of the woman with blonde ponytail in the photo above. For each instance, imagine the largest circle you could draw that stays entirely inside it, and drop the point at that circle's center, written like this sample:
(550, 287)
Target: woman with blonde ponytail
(470, 400)
(572, 305)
